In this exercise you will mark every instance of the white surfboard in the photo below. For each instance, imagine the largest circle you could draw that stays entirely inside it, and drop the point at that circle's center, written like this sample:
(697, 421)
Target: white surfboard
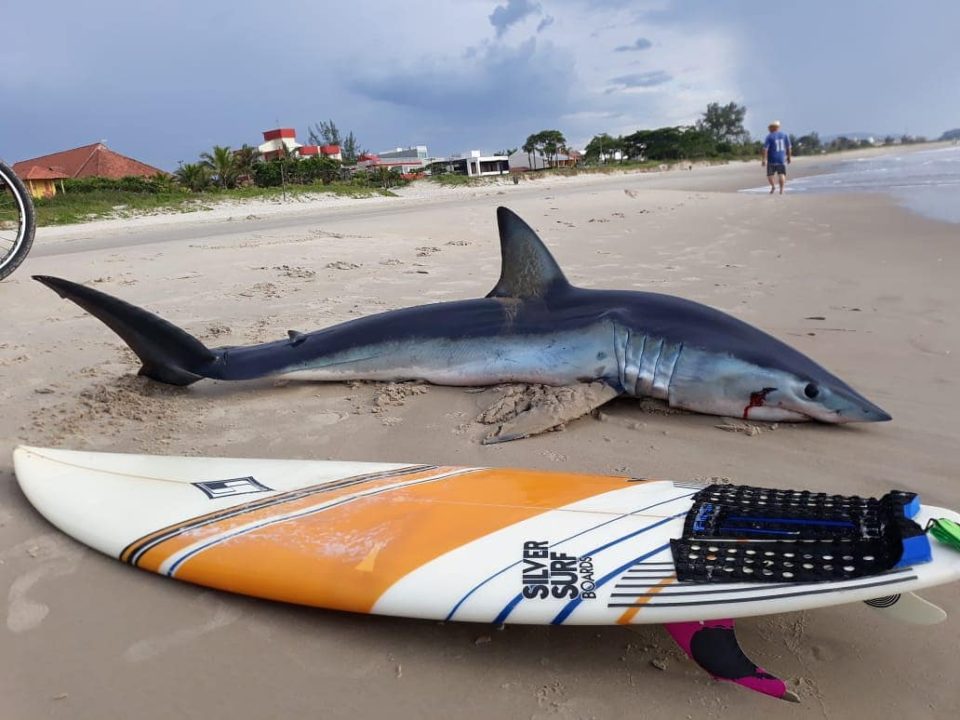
(447, 543)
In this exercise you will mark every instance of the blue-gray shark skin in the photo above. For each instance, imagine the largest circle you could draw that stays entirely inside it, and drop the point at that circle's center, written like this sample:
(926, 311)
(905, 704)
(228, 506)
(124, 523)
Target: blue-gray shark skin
(533, 327)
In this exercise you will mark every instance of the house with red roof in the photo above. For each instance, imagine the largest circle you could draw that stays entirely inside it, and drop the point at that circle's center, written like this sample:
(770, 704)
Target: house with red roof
(96, 160)
(282, 142)
(41, 181)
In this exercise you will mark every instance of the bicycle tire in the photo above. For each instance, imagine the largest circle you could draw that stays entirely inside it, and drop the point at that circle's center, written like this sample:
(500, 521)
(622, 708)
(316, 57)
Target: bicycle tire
(25, 222)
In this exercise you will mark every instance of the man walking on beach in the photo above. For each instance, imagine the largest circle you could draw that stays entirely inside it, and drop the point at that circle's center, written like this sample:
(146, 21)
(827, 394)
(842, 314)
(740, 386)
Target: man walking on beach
(776, 154)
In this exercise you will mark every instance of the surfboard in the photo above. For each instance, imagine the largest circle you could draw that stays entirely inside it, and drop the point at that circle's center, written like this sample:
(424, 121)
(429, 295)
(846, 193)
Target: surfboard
(492, 545)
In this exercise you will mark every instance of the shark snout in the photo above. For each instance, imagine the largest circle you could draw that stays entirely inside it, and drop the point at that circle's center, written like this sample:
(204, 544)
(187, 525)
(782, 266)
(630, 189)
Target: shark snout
(850, 407)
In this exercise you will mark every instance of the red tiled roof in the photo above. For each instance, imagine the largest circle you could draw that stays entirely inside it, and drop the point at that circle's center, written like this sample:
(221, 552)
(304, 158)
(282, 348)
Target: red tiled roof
(269, 135)
(41, 173)
(96, 160)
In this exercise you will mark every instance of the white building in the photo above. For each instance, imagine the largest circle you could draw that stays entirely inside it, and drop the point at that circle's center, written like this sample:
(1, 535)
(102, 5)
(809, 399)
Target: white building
(476, 164)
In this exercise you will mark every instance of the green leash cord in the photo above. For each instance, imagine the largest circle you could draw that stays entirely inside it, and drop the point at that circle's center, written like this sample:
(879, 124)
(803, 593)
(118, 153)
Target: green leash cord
(946, 531)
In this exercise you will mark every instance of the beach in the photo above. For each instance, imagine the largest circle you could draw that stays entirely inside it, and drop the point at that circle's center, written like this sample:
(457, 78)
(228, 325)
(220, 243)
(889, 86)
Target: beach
(864, 286)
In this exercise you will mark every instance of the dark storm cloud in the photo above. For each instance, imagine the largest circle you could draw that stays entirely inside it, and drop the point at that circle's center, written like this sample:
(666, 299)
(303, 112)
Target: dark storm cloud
(514, 11)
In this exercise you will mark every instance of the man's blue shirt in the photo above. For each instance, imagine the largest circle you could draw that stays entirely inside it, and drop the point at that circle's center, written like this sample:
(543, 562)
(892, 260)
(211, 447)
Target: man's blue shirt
(776, 145)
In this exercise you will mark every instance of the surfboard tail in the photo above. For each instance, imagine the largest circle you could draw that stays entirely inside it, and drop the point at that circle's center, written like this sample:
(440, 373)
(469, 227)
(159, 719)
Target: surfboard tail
(169, 355)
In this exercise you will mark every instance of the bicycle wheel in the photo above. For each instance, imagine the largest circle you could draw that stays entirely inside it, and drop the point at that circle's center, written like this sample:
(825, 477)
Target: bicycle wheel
(17, 222)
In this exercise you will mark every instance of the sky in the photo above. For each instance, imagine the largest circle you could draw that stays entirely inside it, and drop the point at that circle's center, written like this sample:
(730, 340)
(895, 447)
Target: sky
(165, 81)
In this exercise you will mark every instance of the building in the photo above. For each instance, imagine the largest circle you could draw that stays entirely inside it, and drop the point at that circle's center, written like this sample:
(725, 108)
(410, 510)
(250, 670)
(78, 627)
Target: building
(370, 161)
(414, 152)
(282, 142)
(42, 182)
(96, 160)
(475, 164)
(521, 161)
(330, 151)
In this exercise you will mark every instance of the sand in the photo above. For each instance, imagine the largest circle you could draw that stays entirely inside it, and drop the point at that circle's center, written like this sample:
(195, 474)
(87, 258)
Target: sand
(864, 287)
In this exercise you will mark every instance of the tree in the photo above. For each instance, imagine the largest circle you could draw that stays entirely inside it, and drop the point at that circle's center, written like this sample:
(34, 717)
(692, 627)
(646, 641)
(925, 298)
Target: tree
(322, 168)
(195, 176)
(349, 150)
(547, 142)
(725, 122)
(552, 142)
(244, 159)
(809, 144)
(603, 146)
(325, 133)
(530, 147)
(222, 165)
(951, 135)
(508, 152)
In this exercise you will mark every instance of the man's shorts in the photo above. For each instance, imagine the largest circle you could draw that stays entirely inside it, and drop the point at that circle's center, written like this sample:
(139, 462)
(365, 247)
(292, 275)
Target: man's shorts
(776, 169)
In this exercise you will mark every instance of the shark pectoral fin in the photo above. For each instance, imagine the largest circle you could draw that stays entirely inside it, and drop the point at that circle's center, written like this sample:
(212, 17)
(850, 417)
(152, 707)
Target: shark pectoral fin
(546, 410)
(713, 646)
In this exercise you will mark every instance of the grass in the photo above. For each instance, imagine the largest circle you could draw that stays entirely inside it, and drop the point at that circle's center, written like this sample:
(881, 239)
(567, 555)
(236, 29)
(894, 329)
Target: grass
(78, 207)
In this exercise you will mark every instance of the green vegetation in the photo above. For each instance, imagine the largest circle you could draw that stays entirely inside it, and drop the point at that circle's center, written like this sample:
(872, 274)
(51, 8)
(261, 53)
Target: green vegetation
(549, 143)
(456, 180)
(100, 198)
(718, 134)
(221, 174)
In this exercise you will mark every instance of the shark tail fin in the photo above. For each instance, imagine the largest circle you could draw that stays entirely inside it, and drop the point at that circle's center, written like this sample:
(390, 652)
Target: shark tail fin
(528, 270)
(169, 354)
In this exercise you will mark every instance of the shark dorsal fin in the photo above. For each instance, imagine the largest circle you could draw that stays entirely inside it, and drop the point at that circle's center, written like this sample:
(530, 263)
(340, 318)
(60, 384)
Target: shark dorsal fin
(528, 269)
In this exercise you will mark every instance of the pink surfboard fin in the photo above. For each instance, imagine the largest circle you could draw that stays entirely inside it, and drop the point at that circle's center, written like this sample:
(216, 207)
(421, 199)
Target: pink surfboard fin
(713, 646)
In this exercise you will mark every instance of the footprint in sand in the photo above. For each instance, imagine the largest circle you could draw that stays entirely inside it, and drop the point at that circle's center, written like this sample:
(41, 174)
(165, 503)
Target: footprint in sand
(221, 614)
(58, 557)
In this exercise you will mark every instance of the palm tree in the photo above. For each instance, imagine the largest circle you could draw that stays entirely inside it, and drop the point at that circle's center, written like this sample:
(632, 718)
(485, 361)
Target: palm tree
(222, 164)
(244, 158)
(195, 176)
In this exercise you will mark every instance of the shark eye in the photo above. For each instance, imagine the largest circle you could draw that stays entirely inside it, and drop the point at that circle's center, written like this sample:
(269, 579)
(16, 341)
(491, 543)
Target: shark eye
(811, 390)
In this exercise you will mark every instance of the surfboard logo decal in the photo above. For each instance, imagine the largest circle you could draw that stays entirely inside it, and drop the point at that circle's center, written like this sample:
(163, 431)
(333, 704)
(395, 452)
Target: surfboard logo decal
(550, 573)
(214, 489)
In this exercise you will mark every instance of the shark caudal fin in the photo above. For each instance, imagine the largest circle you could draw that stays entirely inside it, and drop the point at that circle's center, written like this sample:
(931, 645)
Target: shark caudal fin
(169, 354)
(528, 270)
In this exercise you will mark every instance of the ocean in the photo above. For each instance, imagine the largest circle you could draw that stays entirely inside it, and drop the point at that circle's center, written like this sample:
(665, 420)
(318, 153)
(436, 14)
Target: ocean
(925, 181)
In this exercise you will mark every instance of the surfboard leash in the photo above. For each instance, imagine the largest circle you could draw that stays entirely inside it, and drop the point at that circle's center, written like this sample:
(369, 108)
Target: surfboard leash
(946, 531)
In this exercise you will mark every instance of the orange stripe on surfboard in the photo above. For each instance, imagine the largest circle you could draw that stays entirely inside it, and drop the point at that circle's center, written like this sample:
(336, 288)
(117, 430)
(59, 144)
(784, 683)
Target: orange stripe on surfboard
(130, 552)
(631, 611)
(188, 533)
(347, 556)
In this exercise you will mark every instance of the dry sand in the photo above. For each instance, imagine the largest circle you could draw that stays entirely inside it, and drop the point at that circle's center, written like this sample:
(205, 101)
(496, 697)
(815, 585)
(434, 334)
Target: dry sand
(864, 287)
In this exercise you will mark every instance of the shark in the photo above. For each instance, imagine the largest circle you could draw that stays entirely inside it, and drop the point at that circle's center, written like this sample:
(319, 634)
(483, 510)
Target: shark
(533, 327)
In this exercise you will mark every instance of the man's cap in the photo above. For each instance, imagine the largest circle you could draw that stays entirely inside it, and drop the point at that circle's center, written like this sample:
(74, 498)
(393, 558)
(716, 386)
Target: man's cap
(775, 123)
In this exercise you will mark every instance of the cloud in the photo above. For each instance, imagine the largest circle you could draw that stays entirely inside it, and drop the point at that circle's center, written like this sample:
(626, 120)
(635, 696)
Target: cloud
(514, 11)
(640, 44)
(545, 23)
(494, 94)
(642, 80)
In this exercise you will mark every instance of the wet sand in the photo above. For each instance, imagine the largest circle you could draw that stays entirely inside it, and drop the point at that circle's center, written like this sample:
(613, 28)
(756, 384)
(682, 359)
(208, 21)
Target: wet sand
(864, 287)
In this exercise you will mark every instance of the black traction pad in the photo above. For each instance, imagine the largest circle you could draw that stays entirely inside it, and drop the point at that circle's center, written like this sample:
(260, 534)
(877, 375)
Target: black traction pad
(737, 533)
